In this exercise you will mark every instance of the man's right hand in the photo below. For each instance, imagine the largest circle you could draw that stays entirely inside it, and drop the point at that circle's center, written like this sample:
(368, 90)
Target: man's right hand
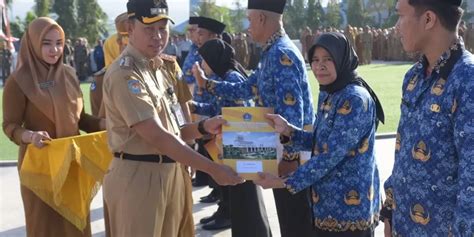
(224, 175)
(387, 230)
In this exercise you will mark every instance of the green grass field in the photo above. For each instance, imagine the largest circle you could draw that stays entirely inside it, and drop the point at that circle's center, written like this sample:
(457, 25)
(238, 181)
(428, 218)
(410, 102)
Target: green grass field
(384, 79)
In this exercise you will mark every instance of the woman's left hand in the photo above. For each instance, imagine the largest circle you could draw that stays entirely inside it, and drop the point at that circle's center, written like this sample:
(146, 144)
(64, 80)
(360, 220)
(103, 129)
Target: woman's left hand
(279, 124)
(268, 180)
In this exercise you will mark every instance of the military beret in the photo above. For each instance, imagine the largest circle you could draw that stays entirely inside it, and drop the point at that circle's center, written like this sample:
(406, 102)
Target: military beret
(276, 6)
(148, 11)
(211, 25)
(194, 20)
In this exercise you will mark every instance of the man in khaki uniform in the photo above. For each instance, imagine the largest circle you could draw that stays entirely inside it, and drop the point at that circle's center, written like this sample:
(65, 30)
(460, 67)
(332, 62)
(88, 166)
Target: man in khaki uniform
(144, 188)
(367, 43)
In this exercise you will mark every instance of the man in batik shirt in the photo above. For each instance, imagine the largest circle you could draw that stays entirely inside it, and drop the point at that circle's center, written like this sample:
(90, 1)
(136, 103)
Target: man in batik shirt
(431, 189)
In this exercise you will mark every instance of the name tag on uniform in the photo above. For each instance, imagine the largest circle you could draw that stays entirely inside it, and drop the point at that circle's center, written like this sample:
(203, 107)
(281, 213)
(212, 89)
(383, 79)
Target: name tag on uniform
(46, 84)
(178, 114)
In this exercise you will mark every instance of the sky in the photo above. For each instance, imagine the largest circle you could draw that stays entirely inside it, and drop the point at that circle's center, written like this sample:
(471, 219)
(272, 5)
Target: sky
(179, 9)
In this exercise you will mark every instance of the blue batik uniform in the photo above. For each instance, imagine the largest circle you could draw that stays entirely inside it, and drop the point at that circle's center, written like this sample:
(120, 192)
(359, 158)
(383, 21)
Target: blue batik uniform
(201, 96)
(214, 107)
(431, 189)
(280, 82)
(192, 57)
(342, 170)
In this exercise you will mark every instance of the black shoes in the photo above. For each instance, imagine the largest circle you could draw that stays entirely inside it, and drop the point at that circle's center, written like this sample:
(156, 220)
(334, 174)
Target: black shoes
(218, 223)
(208, 219)
(199, 182)
(212, 197)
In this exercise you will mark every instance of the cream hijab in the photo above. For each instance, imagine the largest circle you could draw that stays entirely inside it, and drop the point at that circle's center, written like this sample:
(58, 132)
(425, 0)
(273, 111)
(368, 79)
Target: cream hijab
(53, 89)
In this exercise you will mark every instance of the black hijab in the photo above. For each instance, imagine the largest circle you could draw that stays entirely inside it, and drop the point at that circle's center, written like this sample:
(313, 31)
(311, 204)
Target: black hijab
(219, 55)
(346, 62)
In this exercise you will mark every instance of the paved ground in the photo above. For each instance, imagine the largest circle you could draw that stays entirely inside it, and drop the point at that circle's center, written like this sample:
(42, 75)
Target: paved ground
(12, 217)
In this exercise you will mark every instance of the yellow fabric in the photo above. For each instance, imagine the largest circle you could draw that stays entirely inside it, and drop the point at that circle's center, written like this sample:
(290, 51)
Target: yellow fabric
(67, 173)
(111, 49)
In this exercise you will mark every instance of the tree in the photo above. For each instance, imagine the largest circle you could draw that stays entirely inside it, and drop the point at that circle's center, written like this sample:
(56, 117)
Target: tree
(294, 20)
(92, 20)
(467, 14)
(379, 7)
(42, 7)
(230, 19)
(355, 14)
(333, 15)
(314, 14)
(66, 11)
(238, 16)
(19, 26)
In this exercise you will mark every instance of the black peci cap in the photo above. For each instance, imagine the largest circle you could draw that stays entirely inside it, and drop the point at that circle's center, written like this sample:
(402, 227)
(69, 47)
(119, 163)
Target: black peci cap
(211, 25)
(194, 20)
(148, 11)
(276, 6)
(454, 2)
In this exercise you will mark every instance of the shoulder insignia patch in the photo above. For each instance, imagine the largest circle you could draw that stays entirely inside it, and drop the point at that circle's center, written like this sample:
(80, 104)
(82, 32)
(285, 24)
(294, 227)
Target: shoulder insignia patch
(168, 57)
(126, 62)
(134, 86)
(93, 86)
(101, 72)
(285, 60)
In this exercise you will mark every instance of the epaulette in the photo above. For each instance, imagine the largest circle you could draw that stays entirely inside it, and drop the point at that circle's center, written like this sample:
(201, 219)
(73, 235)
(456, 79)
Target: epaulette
(100, 72)
(168, 57)
(126, 62)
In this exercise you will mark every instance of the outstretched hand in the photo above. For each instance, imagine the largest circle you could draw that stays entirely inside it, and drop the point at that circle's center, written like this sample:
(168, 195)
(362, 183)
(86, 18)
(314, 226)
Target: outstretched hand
(268, 180)
(278, 123)
(214, 124)
(224, 175)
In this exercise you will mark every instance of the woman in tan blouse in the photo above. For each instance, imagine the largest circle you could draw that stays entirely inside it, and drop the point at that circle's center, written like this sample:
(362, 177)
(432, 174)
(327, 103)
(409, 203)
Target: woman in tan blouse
(42, 100)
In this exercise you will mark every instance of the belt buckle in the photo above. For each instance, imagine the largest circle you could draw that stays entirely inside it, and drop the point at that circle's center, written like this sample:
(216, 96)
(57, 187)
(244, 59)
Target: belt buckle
(121, 156)
(161, 159)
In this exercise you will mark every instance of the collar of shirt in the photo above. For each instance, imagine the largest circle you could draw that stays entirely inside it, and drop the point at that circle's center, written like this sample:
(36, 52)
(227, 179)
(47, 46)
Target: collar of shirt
(423, 62)
(144, 62)
(277, 35)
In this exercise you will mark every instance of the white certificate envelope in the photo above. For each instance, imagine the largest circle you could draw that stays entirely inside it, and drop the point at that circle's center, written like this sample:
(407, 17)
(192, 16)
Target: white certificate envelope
(249, 167)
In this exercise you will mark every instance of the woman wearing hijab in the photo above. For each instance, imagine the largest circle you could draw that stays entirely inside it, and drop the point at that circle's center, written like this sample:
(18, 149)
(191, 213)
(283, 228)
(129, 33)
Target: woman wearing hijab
(342, 170)
(42, 100)
(248, 215)
(218, 62)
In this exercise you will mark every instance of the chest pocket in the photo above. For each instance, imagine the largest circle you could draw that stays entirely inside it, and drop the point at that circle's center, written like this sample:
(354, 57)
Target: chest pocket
(439, 106)
(326, 116)
(155, 93)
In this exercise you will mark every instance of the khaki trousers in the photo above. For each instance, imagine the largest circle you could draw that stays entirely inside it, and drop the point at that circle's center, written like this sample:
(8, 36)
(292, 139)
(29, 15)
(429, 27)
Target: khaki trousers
(144, 199)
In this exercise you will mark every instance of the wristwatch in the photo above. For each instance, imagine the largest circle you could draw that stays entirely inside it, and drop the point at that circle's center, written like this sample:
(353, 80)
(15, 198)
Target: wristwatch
(201, 128)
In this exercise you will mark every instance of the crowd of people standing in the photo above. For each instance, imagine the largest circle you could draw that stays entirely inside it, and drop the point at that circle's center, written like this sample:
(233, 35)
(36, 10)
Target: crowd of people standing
(373, 43)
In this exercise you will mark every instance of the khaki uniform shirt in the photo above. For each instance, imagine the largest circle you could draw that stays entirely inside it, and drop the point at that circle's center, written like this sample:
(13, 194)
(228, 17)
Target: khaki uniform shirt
(135, 89)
